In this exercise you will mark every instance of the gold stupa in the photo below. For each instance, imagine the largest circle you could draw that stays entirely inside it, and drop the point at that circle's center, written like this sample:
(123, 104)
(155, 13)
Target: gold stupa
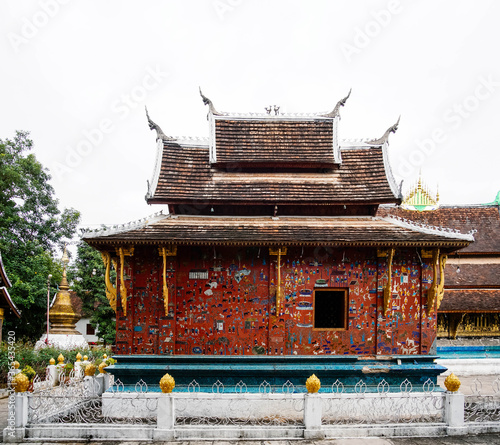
(62, 315)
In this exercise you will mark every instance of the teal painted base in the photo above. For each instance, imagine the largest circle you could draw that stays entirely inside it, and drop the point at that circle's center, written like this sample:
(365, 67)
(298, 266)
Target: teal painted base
(276, 370)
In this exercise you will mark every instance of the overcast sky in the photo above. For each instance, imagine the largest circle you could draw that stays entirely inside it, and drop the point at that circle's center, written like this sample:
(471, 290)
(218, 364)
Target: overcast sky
(77, 75)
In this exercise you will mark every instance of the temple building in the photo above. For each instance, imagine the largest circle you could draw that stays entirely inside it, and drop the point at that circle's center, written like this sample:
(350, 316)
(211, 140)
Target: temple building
(272, 247)
(7, 306)
(471, 302)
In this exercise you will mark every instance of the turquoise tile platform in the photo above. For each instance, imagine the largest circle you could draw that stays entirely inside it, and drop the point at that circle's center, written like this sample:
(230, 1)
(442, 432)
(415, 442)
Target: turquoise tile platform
(276, 370)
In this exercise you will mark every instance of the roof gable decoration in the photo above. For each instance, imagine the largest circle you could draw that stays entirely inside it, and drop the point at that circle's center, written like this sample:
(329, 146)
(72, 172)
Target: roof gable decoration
(430, 230)
(6, 301)
(420, 198)
(384, 143)
(156, 170)
(276, 134)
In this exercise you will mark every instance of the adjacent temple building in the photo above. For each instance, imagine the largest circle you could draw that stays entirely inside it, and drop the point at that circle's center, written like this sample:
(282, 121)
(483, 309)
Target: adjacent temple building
(471, 303)
(272, 248)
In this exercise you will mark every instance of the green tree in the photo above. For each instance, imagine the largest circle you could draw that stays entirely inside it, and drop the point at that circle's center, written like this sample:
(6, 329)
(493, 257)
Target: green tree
(31, 229)
(89, 285)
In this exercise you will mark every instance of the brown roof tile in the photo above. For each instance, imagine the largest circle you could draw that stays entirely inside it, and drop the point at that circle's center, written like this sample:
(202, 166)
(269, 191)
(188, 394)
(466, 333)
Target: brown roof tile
(283, 230)
(477, 275)
(485, 219)
(253, 141)
(471, 300)
(186, 176)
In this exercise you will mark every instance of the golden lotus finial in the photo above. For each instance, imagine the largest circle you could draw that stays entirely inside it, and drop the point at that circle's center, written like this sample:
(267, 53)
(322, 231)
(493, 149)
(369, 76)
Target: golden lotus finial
(167, 383)
(102, 366)
(20, 382)
(78, 357)
(52, 361)
(16, 364)
(60, 359)
(90, 369)
(452, 383)
(85, 358)
(313, 384)
(105, 356)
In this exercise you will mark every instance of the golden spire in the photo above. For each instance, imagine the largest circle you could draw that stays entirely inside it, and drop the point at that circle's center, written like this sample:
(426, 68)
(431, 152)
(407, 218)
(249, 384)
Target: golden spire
(419, 197)
(62, 315)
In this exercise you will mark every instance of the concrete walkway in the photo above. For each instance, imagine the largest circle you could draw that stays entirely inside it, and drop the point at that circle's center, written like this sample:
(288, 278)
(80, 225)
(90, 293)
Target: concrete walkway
(483, 439)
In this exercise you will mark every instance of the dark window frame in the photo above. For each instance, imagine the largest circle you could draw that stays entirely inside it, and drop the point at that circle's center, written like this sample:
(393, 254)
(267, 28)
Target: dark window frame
(345, 300)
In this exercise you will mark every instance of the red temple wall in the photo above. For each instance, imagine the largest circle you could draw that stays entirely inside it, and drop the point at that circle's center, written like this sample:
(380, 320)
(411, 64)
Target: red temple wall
(233, 310)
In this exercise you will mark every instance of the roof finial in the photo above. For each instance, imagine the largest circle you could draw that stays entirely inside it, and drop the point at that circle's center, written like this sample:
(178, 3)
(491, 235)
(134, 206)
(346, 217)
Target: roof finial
(340, 103)
(385, 138)
(211, 107)
(153, 126)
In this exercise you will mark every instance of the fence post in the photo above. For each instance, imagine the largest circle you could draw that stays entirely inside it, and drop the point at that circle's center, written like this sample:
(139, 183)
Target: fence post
(454, 413)
(313, 411)
(16, 432)
(165, 421)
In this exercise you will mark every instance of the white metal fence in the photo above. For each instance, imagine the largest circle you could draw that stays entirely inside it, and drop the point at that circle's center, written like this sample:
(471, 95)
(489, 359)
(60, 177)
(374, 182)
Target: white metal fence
(97, 407)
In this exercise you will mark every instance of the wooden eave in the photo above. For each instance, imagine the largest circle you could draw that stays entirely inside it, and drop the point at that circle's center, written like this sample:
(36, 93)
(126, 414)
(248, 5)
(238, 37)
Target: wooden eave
(7, 303)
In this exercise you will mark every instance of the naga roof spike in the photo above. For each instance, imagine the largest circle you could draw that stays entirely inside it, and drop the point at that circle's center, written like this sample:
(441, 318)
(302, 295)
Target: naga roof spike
(385, 138)
(340, 103)
(208, 102)
(154, 126)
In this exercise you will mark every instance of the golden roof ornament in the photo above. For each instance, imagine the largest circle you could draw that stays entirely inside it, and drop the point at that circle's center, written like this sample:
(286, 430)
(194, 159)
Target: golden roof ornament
(313, 384)
(419, 197)
(62, 314)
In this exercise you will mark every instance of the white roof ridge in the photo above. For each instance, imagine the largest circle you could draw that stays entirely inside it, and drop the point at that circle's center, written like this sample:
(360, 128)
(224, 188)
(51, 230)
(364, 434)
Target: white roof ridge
(427, 229)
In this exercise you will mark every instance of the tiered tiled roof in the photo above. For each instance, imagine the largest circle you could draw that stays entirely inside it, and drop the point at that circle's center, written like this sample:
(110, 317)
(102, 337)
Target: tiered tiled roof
(463, 275)
(186, 176)
(265, 142)
(483, 218)
(470, 300)
(343, 231)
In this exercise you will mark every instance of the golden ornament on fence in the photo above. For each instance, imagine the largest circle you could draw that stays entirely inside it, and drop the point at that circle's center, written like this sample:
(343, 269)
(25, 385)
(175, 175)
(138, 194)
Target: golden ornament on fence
(16, 364)
(78, 357)
(167, 383)
(102, 366)
(20, 382)
(313, 384)
(90, 369)
(60, 359)
(52, 361)
(452, 383)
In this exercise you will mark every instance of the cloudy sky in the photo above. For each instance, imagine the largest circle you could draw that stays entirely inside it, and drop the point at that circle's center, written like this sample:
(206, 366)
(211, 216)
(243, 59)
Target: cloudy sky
(77, 75)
